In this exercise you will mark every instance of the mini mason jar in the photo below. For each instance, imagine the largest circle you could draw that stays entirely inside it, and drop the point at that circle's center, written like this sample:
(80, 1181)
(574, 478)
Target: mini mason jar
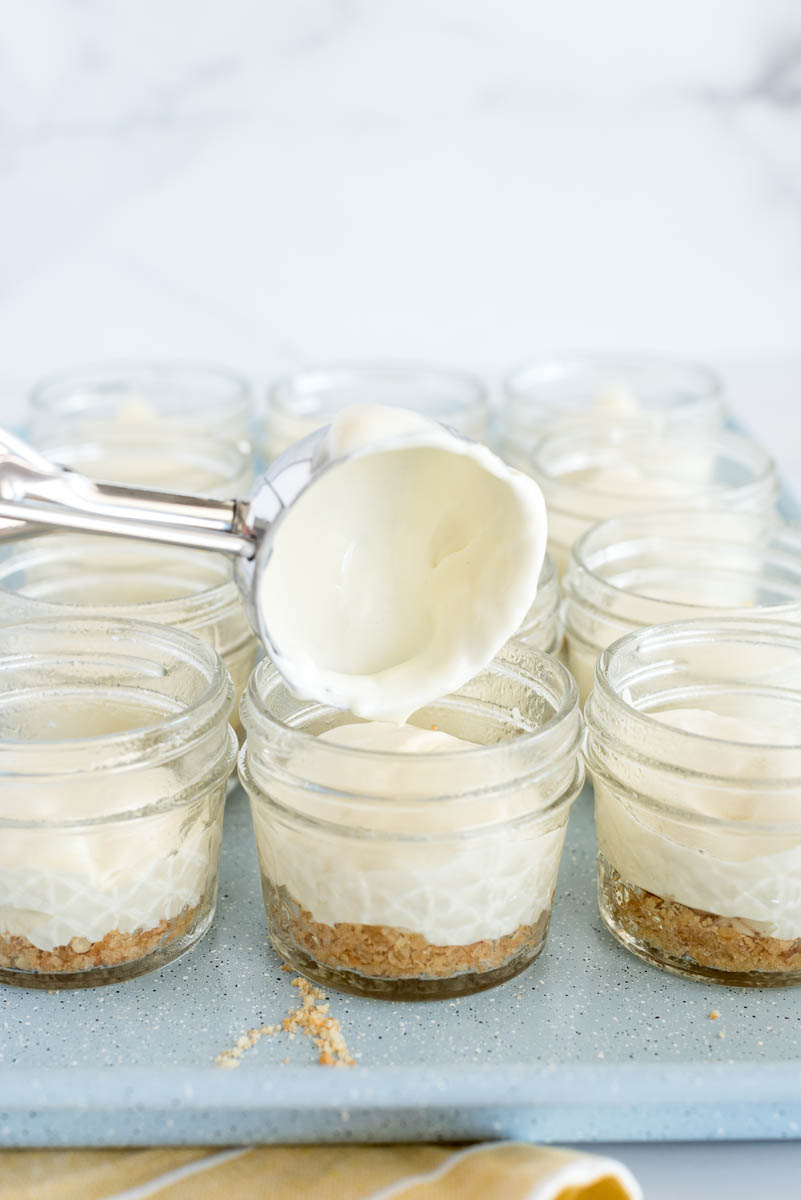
(70, 574)
(541, 627)
(152, 457)
(648, 568)
(80, 405)
(302, 403)
(545, 393)
(589, 474)
(115, 750)
(415, 875)
(694, 746)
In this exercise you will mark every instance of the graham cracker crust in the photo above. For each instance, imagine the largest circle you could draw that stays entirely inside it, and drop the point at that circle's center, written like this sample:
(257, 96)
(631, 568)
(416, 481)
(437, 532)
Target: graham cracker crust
(681, 938)
(79, 954)
(391, 953)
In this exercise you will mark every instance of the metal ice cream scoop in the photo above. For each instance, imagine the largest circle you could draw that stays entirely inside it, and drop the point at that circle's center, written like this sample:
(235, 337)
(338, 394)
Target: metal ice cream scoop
(36, 493)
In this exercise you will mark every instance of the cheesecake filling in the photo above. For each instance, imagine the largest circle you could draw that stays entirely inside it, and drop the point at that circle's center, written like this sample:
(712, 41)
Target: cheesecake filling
(743, 874)
(461, 875)
(403, 568)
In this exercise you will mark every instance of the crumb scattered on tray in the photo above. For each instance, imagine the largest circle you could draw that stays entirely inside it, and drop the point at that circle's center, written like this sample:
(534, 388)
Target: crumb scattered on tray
(713, 1016)
(312, 1018)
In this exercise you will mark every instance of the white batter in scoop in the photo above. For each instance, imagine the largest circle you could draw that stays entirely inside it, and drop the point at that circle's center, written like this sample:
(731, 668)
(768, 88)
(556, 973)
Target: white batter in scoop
(404, 568)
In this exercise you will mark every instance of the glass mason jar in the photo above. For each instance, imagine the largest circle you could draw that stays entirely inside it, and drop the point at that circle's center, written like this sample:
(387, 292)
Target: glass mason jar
(302, 403)
(415, 875)
(80, 405)
(152, 457)
(541, 627)
(115, 752)
(587, 475)
(545, 393)
(694, 746)
(648, 568)
(70, 574)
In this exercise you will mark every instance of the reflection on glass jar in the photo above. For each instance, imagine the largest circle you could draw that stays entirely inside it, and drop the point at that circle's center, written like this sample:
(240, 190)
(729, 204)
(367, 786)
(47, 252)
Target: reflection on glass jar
(649, 568)
(587, 475)
(79, 405)
(541, 627)
(546, 393)
(115, 751)
(151, 457)
(694, 746)
(420, 860)
(302, 403)
(70, 574)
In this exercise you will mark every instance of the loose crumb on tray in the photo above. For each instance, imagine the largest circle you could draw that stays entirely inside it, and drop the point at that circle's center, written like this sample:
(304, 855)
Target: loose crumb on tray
(311, 1018)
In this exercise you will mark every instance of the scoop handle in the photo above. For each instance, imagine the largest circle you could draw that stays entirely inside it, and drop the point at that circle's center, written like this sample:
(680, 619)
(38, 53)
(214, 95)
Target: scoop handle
(34, 490)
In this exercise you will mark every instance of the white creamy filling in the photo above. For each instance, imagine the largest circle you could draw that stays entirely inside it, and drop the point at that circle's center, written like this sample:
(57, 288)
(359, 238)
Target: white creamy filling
(669, 478)
(454, 892)
(128, 876)
(615, 400)
(403, 569)
(755, 877)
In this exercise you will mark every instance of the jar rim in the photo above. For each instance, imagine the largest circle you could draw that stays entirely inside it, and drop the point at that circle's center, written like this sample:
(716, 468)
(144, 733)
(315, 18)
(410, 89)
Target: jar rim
(549, 368)
(726, 444)
(253, 703)
(563, 800)
(46, 395)
(284, 393)
(212, 600)
(645, 727)
(193, 443)
(191, 723)
(693, 632)
(670, 525)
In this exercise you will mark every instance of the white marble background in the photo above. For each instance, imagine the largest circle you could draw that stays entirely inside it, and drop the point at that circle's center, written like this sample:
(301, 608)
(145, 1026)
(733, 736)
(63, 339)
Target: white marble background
(270, 183)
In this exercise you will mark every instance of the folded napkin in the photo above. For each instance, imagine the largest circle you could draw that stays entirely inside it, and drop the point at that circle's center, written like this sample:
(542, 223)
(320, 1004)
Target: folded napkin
(495, 1171)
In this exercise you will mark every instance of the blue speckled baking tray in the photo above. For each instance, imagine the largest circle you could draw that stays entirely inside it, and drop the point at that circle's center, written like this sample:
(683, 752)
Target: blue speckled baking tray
(588, 1045)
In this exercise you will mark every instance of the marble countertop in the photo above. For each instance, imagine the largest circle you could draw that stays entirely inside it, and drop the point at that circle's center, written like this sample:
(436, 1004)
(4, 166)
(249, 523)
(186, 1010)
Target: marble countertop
(272, 184)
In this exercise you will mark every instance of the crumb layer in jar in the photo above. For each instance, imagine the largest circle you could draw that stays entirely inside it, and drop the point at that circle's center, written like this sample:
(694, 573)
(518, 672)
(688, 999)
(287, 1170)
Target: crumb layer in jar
(354, 956)
(694, 941)
(79, 954)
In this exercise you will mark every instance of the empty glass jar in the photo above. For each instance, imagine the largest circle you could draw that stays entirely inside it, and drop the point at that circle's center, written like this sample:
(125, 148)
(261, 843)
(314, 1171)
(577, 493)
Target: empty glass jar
(589, 474)
(115, 751)
(415, 874)
(80, 405)
(647, 568)
(298, 405)
(694, 746)
(548, 392)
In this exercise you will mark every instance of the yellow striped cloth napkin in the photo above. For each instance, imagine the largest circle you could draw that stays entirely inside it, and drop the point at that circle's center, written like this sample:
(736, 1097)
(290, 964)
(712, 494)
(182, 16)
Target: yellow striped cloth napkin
(496, 1171)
